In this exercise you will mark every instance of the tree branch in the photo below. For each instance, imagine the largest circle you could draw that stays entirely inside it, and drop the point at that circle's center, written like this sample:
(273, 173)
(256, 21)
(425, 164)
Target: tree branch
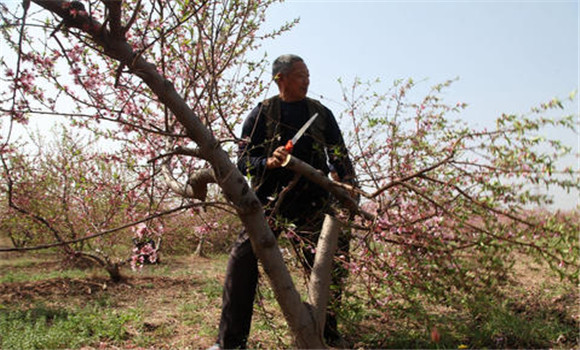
(196, 186)
(344, 197)
(411, 176)
(102, 233)
(483, 230)
(114, 8)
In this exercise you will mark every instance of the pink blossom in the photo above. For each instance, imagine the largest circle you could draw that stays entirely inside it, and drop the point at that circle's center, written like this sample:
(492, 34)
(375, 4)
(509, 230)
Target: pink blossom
(203, 229)
(140, 230)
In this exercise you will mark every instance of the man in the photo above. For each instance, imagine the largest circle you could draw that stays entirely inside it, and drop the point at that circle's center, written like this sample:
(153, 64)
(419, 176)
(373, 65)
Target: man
(287, 198)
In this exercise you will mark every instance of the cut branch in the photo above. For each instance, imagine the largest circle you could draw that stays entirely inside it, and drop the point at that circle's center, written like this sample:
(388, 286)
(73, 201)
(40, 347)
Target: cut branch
(345, 197)
(196, 186)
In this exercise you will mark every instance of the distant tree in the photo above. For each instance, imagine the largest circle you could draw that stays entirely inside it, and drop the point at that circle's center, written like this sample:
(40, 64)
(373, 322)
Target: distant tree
(62, 192)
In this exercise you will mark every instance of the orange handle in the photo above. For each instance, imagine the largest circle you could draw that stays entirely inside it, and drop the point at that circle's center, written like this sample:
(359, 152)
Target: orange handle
(289, 146)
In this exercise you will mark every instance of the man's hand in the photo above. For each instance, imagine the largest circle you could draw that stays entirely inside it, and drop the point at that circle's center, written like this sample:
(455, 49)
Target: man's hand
(277, 158)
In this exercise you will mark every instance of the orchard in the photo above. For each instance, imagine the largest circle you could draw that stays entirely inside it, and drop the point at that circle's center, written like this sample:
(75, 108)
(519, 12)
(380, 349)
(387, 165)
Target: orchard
(151, 93)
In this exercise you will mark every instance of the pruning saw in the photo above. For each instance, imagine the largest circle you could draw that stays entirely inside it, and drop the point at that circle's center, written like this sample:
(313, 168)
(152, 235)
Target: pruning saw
(290, 144)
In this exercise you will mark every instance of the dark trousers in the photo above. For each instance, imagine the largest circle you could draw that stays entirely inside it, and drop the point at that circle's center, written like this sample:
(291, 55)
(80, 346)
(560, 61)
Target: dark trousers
(242, 277)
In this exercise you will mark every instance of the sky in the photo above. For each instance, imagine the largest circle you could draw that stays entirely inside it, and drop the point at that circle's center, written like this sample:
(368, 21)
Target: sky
(509, 56)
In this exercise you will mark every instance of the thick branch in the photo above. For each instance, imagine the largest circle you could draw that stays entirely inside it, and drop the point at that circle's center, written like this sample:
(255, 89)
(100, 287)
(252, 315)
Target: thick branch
(196, 186)
(114, 7)
(320, 277)
(344, 197)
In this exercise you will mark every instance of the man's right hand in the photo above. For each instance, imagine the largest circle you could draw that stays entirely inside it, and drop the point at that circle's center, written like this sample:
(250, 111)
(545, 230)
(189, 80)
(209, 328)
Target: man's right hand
(277, 159)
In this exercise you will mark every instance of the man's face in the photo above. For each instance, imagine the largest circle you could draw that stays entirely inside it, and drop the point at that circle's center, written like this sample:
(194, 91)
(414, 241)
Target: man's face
(294, 84)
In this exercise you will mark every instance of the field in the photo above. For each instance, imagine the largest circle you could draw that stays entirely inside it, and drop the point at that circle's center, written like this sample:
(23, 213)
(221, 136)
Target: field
(44, 304)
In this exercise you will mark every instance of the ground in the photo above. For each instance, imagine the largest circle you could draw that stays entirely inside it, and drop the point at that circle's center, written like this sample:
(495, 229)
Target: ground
(176, 304)
(178, 301)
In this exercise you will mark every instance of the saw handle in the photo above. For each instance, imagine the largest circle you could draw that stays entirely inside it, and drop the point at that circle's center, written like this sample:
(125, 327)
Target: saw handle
(289, 146)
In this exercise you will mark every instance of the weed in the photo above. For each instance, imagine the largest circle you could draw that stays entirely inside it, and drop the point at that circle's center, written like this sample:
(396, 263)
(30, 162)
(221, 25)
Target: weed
(177, 305)
(212, 289)
(516, 323)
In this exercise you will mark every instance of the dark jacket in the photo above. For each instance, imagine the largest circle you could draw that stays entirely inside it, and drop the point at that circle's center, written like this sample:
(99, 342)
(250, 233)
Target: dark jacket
(271, 124)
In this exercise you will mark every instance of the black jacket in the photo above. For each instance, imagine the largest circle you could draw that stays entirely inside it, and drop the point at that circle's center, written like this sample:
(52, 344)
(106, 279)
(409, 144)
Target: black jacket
(271, 124)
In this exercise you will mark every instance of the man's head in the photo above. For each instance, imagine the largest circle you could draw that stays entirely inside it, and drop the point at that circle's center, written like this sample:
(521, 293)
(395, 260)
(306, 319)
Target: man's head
(292, 76)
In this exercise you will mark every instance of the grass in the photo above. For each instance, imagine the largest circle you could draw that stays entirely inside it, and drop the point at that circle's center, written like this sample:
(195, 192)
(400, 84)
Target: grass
(504, 326)
(42, 327)
(177, 305)
(12, 276)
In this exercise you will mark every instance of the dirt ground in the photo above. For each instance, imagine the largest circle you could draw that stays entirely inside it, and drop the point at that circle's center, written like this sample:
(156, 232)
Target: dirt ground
(167, 295)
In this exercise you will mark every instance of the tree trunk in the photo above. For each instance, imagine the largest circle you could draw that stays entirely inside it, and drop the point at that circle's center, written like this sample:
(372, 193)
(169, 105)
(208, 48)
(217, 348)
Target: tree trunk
(115, 272)
(321, 275)
(199, 250)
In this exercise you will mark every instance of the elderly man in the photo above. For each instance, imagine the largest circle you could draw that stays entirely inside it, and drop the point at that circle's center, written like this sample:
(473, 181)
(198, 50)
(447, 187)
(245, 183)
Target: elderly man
(292, 204)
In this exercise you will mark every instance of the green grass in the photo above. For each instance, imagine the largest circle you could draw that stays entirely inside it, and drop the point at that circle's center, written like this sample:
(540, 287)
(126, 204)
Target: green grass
(11, 277)
(212, 288)
(24, 261)
(514, 320)
(516, 323)
(42, 327)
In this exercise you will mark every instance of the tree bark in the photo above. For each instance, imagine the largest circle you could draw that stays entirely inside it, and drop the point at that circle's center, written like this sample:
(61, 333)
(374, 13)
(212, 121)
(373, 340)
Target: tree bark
(321, 275)
(196, 186)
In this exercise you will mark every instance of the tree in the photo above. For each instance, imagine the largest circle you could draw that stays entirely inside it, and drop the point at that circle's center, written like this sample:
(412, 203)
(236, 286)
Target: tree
(67, 189)
(119, 54)
(439, 199)
(455, 206)
(193, 45)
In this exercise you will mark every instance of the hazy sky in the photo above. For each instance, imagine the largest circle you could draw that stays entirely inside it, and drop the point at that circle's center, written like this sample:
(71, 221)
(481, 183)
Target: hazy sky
(509, 55)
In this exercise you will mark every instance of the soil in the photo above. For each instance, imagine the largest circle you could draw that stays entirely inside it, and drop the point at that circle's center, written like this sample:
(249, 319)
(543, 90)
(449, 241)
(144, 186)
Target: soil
(160, 298)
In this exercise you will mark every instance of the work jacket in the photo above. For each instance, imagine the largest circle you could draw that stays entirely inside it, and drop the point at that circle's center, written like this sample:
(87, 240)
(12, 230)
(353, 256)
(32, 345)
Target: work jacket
(270, 125)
